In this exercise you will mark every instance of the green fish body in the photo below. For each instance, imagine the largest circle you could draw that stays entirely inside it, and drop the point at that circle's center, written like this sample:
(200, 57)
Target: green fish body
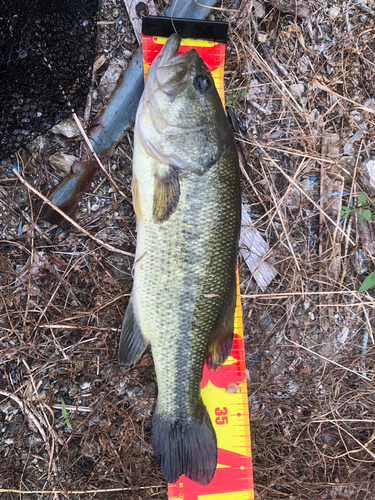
(187, 202)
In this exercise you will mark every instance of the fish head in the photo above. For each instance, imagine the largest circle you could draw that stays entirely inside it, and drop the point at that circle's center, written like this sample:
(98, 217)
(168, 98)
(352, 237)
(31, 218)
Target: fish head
(180, 119)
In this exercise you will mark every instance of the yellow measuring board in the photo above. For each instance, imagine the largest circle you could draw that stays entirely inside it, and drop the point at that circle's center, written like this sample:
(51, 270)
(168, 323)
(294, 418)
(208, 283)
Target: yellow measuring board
(229, 412)
(224, 391)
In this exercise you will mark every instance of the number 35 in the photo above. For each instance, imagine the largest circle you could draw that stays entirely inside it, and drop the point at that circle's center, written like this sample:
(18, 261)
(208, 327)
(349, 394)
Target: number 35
(222, 419)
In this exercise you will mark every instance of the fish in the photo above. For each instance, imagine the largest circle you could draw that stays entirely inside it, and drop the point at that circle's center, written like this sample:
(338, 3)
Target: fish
(186, 196)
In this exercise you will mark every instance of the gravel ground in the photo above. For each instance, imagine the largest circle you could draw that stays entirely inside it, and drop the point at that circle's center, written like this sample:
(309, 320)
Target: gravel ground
(70, 417)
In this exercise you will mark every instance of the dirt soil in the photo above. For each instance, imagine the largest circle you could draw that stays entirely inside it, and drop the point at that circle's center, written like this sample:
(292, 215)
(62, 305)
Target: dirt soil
(299, 80)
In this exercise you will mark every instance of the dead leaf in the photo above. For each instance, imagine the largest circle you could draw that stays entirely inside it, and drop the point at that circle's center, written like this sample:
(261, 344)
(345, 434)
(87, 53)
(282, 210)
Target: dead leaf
(39, 262)
(262, 37)
(305, 368)
(4, 265)
(30, 394)
(59, 264)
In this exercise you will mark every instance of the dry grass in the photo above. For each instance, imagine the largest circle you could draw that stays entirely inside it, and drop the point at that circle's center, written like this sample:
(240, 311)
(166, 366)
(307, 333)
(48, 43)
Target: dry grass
(309, 339)
(310, 343)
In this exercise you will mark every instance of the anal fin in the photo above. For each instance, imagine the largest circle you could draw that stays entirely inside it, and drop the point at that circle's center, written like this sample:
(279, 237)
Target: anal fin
(220, 343)
(166, 194)
(132, 342)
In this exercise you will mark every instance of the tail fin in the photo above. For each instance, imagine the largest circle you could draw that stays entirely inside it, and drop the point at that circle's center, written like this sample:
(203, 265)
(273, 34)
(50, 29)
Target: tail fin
(186, 446)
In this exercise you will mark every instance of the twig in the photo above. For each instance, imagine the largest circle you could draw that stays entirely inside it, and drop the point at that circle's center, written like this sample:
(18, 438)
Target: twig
(77, 492)
(326, 89)
(301, 190)
(27, 412)
(326, 359)
(73, 223)
(89, 145)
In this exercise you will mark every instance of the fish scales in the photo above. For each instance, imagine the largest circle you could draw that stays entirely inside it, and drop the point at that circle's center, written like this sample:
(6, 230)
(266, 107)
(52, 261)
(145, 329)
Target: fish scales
(184, 271)
(189, 256)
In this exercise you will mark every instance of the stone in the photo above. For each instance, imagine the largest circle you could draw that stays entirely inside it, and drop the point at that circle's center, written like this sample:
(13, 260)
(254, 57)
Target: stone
(362, 263)
(294, 199)
(334, 12)
(110, 78)
(62, 163)
(259, 10)
(368, 166)
(297, 89)
(67, 128)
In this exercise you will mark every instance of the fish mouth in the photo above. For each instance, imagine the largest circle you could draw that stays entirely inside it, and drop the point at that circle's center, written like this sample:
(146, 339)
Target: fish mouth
(172, 70)
(170, 49)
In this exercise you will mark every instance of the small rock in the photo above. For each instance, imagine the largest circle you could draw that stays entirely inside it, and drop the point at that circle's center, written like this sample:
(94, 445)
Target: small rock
(358, 117)
(67, 128)
(308, 187)
(294, 199)
(73, 391)
(316, 117)
(62, 163)
(254, 359)
(115, 13)
(266, 323)
(293, 387)
(121, 387)
(39, 144)
(93, 420)
(134, 392)
(368, 169)
(334, 12)
(362, 263)
(79, 365)
(348, 146)
(5, 407)
(343, 492)
(262, 37)
(342, 335)
(110, 78)
(297, 89)
(127, 54)
(259, 10)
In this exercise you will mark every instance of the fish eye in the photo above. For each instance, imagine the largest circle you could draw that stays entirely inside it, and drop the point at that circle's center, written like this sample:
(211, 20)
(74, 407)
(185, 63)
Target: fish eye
(202, 83)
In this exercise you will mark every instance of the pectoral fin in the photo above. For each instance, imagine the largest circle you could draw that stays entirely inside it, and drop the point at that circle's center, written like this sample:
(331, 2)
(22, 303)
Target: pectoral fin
(166, 194)
(132, 342)
(220, 343)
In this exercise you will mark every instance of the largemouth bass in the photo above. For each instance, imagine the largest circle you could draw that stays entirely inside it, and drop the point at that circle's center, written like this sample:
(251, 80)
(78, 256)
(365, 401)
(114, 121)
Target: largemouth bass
(187, 202)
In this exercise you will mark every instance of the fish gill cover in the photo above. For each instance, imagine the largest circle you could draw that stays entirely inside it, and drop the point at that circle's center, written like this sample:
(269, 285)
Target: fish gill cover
(47, 49)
